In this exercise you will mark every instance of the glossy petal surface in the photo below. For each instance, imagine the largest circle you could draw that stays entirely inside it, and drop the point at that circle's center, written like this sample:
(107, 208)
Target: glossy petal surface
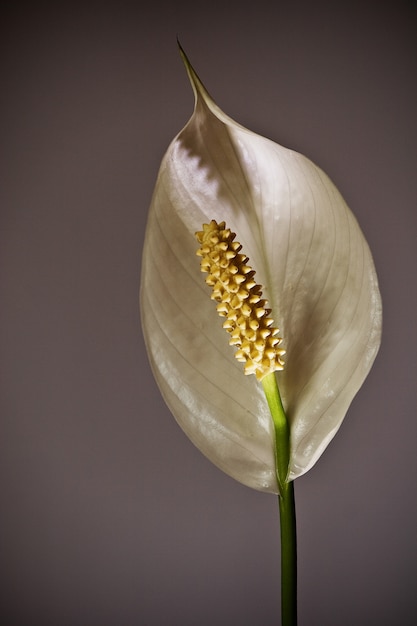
(317, 273)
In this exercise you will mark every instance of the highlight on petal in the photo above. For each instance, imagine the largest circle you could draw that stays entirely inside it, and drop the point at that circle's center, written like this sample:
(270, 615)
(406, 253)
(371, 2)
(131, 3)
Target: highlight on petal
(317, 275)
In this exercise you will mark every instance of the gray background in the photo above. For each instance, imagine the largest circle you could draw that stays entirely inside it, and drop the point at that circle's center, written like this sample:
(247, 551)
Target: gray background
(109, 516)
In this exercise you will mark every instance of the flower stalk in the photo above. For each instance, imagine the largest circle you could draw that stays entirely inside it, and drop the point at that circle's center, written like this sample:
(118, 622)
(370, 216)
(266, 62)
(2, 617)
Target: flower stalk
(286, 502)
(288, 555)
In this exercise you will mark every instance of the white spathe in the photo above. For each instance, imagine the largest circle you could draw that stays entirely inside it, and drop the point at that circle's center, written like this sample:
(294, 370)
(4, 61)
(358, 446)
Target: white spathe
(317, 273)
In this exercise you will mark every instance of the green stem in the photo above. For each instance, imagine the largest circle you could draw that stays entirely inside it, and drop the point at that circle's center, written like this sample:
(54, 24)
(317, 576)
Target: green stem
(286, 503)
(288, 556)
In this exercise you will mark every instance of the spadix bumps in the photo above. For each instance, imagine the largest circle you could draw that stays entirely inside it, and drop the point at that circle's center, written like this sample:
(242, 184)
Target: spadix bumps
(240, 300)
(317, 275)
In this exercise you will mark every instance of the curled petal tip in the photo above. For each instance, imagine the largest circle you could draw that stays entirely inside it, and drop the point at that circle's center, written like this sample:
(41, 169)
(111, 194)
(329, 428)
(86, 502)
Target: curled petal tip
(197, 85)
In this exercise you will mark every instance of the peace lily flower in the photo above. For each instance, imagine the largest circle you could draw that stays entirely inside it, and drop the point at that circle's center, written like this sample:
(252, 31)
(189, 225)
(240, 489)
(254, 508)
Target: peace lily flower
(310, 274)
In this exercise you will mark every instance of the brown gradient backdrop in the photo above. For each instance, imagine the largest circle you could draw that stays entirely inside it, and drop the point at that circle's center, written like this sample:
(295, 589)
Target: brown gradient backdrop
(109, 516)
